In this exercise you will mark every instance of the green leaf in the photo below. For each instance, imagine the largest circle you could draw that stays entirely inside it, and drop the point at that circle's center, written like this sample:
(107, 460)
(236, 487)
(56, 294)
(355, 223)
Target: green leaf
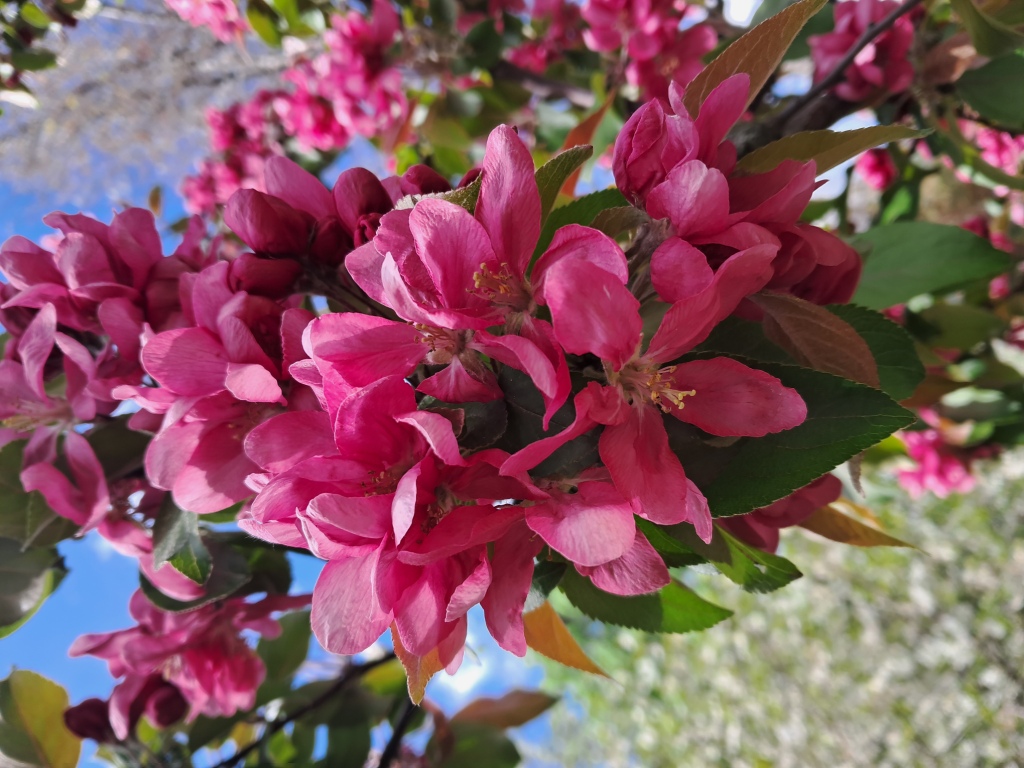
(33, 60)
(26, 580)
(211, 731)
(752, 569)
(119, 449)
(477, 745)
(994, 90)
(674, 609)
(347, 747)
(990, 36)
(843, 419)
(35, 16)
(954, 326)
(465, 196)
(582, 210)
(176, 540)
(525, 425)
(26, 517)
(553, 174)
(486, 45)
(899, 368)
(32, 730)
(826, 148)
(285, 653)
(483, 424)
(262, 21)
(909, 258)
(229, 572)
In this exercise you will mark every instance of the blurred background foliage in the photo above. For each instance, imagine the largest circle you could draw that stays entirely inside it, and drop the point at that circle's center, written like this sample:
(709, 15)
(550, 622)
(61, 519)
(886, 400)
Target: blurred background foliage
(877, 657)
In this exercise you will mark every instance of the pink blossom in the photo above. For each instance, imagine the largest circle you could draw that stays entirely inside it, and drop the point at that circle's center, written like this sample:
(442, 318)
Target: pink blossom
(877, 168)
(451, 275)
(881, 66)
(720, 396)
(221, 16)
(760, 528)
(559, 23)
(941, 467)
(201, 652)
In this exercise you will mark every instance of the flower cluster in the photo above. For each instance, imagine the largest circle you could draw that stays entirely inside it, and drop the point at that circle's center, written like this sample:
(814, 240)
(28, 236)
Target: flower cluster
(416, 527)
(197, 656)
(650, 34)
(349, 90)
(743, 231)
(881, 67)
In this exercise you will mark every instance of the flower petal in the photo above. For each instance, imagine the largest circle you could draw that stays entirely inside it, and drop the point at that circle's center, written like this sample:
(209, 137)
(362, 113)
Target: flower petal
(346, 618)
(591, 527)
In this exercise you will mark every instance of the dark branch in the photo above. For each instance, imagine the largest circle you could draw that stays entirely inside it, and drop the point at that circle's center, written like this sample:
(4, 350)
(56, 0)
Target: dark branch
(836, 74)
(387, 757)
(352, 672)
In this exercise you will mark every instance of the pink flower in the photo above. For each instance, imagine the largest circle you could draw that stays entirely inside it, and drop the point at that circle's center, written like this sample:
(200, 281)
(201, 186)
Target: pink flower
(877, 168)
(221, 16)
(760, 528)
(942, 466)
(451, 275)
(720, 396)
(881, 66)
(201, 652)
(680, 170)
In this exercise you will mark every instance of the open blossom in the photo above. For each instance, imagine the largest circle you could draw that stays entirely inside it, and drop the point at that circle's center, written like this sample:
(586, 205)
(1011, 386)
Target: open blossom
(560, 25)
(451, 275)
(881, 66)
(381, 491)
(218, 378)
(681, 171)
(720, 396)
(201, 652)
(760, 528)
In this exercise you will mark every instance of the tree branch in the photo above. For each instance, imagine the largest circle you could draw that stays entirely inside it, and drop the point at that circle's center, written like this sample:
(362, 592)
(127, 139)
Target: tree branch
(837, 73)
(387, 757)
(352, 672)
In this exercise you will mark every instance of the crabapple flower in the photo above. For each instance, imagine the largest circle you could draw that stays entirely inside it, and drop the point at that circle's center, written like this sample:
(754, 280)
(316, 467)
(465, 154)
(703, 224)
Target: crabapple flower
(720, 396)
(451, 275)
(201, 652)
(940, 467)
(881, 66)
(877, 168)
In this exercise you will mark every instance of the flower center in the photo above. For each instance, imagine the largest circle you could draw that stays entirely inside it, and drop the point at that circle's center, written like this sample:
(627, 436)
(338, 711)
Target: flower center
(502, 288)
(444, 344)
(641, 381)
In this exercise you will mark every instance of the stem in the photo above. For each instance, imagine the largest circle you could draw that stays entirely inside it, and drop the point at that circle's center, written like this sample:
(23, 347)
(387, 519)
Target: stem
(387, 757)
(836, 74)
(352, 672)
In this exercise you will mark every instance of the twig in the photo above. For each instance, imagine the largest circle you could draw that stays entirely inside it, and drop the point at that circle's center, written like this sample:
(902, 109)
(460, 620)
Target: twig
(387, 757)
(352, 672)
(837, 73)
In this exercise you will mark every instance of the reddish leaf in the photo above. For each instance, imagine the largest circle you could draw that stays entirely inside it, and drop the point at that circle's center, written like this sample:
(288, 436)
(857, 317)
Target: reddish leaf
(584, 134)
(816, 338)
(511, 710)
(833, 524)
(546, 633)
(758, 53)
(418, 669)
